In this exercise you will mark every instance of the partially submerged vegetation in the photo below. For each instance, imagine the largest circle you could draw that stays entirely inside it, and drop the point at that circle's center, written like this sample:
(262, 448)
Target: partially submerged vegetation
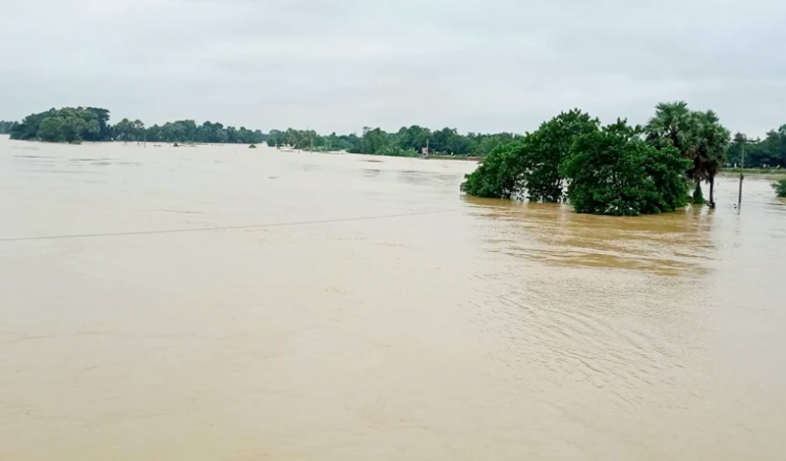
(74, 125)
(616, 170)
(406, 142)
(780, 188)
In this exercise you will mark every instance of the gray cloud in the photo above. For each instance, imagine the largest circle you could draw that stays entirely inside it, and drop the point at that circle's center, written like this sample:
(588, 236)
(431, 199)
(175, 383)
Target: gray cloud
(339, 65)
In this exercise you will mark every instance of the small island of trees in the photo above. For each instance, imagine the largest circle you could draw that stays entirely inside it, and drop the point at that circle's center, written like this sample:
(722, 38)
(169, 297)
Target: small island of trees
(617, 170)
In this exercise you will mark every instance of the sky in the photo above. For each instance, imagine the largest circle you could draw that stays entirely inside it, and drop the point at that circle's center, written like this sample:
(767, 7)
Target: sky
(340, 65)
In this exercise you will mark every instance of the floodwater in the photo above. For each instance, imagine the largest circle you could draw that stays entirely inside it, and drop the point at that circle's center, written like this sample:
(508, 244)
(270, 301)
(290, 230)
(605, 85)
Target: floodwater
(358, 308)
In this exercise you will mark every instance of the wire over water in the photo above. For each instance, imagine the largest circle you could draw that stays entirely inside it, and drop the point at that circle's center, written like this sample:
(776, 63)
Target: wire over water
(222, 228)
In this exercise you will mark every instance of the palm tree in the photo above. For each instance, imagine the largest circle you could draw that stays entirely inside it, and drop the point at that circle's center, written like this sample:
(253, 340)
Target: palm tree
(672, 126)
(713, 144)
(698, 135)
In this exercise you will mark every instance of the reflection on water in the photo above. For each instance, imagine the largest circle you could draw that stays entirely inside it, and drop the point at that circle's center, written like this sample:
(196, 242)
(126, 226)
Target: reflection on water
(458, 329)
(551, 233)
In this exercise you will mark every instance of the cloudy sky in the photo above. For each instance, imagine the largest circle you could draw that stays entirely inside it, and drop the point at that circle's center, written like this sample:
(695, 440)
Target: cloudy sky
(476, 65)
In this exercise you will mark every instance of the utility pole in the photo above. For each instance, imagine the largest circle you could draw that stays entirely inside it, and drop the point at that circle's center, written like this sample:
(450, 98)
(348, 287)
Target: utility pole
(742, 176)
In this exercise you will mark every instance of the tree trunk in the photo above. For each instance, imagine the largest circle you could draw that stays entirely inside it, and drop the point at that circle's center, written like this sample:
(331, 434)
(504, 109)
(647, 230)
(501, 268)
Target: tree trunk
(712, 190)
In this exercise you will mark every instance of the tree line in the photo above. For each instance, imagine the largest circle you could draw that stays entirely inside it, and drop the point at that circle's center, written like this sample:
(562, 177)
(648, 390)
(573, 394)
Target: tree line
(769, 152)
(616, 169)
(79, 124)
(406, 142)
(74, 125)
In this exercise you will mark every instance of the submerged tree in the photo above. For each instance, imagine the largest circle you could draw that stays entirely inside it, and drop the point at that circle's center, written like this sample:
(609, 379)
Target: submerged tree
(548, 148)
(613, 171)
(68, 124)
(700, 138)
(712, 144)
(531, 165)
(501, 173)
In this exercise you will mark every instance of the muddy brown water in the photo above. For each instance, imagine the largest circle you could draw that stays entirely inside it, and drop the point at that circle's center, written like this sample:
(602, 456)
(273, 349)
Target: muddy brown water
(373, 313)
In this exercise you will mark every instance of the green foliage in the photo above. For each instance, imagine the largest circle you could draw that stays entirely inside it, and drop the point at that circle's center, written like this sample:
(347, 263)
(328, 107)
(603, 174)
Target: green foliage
(699, 136)
(64, 125)
(5, 127)
(446, 141)
(780, 187)
(397, 151)
(185, 131)
(548, 147)
(92, 124)
(614, 172)
(769, 152)
(501, 174)
(531, 163)
(698, 195)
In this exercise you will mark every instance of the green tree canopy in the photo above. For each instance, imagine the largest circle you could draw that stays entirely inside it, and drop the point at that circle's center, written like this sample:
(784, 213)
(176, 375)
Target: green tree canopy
(769, 152)
(63, 125)
(5, 127)
(613, 171)
(501, 174)
(698, 136)
(531, 165)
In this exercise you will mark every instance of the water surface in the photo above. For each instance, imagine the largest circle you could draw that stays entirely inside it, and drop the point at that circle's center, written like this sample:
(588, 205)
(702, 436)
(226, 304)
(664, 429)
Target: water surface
(351, 307)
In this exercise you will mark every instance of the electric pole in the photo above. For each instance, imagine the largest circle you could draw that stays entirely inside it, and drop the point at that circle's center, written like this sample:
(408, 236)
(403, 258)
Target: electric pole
(742, 176)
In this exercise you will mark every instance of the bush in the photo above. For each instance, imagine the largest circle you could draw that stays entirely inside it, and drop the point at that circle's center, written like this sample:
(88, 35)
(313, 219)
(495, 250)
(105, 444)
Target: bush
(780, 188)
(698, 196)
(396, 151)
(500, 175)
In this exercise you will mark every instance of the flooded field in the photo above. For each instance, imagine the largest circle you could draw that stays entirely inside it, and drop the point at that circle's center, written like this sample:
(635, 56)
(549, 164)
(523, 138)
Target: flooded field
(220, 303)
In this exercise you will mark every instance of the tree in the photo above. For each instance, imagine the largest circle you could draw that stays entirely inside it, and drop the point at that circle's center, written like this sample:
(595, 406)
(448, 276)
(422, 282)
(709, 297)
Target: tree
(500, 174)
(549, 146)
(5, 127)
(51, 129)
(712, 143)
(125, 130)
(769, 152)
(698, 136)
(104, 131)
(672, 126)
(138, 130)
(531, 163)
(613, 171)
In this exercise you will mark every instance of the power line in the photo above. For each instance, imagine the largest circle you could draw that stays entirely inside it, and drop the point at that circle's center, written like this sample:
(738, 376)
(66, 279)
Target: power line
(214, 229)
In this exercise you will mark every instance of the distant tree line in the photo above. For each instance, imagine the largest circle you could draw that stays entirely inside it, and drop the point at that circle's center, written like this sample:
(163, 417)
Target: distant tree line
(769, 152)
(5, 127)
(65, 125)
(79, 124)
(74, 125)
(406, 142)
(615, 169)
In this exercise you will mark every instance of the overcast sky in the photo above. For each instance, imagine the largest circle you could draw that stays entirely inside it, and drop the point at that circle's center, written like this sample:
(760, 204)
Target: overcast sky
(476, 65)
